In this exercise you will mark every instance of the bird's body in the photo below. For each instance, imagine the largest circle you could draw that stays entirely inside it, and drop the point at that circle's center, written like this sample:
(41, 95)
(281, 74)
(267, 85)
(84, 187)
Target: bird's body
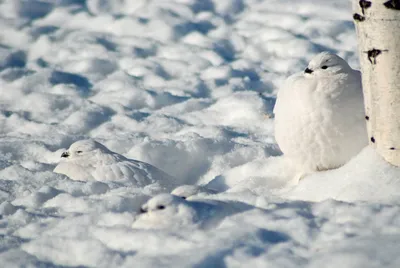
(166, 210)
(187, 191)
(170, 211)
(88, 160)
(319, 115)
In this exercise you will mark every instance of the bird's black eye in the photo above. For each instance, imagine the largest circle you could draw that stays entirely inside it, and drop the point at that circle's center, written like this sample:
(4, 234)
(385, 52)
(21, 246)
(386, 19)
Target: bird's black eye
(183, 197)
(160, 207)
(79, 152)
(324, 67)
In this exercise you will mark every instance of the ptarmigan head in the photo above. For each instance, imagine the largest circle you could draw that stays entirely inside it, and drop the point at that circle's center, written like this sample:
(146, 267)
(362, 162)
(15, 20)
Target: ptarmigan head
(84, 148)
(326, 64)
(81, 159)
(165, 210)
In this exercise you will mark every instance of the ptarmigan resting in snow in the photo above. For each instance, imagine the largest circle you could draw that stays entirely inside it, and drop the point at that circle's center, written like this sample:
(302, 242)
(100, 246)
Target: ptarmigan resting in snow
(187, 191)
(319, 115)
(88, 160)
(170, 211)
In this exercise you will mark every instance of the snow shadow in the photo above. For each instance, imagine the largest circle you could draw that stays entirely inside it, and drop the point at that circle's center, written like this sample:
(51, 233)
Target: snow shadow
(81, 82)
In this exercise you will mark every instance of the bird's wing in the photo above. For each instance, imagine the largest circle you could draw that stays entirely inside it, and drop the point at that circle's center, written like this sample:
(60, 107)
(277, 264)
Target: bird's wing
(156, 175)
(74, 171)
(288, 91)
(137, 173)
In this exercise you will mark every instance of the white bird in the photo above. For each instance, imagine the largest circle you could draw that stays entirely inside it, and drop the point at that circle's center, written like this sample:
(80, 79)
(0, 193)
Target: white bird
(319, 115)
(88, 160)
(170, 211)
(187, 191)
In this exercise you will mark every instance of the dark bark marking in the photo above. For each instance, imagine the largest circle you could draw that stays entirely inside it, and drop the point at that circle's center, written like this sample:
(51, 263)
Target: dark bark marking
(364, 5)
(358, 17)
(367, 117)
(373, 139)
(373, 53)
(392, 4)
(392, 148)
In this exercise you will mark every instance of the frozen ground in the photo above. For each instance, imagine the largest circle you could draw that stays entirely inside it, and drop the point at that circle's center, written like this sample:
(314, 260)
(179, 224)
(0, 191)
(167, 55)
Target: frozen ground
(188, 86)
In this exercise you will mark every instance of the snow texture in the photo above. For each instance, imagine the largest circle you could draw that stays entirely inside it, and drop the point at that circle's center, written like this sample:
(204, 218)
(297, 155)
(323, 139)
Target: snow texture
(189, 87)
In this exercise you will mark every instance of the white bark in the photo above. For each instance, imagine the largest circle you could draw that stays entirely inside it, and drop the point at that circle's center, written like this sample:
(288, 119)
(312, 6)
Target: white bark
(378, 29)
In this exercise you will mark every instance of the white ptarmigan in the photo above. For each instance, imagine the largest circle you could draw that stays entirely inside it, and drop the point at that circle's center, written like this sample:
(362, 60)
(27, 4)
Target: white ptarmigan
(174, 212)
(89, 160)
(187, 191)
(319, 115)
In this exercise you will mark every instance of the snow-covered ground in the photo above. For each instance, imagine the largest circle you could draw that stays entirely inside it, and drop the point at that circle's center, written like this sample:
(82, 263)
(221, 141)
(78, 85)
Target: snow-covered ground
(189, 87)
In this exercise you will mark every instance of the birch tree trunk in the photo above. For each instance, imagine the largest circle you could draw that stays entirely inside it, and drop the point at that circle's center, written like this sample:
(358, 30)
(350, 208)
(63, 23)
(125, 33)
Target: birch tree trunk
(378, 29)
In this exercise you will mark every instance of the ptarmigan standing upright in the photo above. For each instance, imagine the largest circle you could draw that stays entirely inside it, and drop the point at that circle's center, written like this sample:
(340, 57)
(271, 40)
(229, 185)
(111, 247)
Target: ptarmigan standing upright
(319, 115)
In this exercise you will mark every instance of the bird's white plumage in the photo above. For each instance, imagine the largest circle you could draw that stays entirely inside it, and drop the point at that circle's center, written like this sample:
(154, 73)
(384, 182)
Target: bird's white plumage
(187, 191)
(170, 211)
(319, 115)
(166, 210)
(88, 160)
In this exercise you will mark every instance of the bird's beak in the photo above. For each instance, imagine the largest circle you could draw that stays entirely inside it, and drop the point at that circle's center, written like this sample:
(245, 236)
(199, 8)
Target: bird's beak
(308, 71)
(65, 154)
(142, 210)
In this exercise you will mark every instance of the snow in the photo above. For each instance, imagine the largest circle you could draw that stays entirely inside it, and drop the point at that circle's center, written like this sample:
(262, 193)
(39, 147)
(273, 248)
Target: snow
(187, 86)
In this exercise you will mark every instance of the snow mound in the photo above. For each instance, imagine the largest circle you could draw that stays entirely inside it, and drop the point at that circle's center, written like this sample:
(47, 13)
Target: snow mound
(187, 86)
